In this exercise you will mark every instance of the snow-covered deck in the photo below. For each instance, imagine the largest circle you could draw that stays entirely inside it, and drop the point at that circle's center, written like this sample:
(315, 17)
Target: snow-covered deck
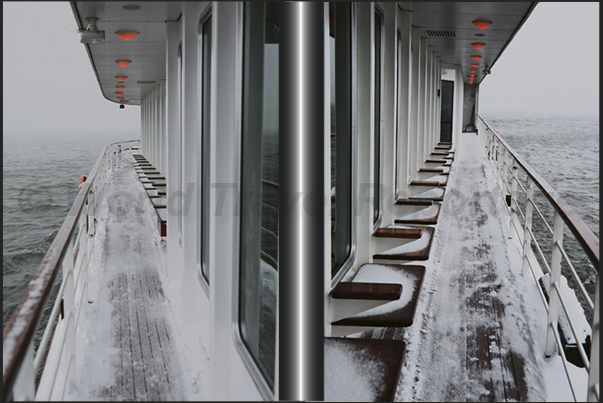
(479, 329)
(126, 344)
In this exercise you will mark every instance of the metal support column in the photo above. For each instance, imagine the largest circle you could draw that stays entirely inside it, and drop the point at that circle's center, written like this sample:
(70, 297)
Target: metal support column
(302, 201)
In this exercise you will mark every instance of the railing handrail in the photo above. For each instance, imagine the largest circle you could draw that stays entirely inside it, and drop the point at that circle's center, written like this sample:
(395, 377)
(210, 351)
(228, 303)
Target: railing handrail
(584, 235)
(20, 329)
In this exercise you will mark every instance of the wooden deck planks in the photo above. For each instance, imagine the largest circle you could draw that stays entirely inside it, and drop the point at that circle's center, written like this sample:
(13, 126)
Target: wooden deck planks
(143, 368)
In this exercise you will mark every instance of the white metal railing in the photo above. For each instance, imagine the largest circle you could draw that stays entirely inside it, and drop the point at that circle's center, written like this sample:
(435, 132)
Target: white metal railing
(270, 255)
(69, 255)
(510, 171)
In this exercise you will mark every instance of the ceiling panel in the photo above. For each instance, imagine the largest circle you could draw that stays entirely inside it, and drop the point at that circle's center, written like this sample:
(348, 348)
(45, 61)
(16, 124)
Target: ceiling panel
(147, 49)
(455, 20)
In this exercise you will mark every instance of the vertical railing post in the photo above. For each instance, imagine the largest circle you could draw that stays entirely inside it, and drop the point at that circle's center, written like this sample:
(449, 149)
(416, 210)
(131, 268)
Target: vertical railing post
(493, 153)
(555, 276)
(593, 373)
(514, 205)
(24, 387)
(527, 237)
(69, 301)
(501, 163)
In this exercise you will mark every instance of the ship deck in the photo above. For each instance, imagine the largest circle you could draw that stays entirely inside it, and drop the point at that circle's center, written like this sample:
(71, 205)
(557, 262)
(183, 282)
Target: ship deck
(479, 328)
(125, 342)
(478, 332)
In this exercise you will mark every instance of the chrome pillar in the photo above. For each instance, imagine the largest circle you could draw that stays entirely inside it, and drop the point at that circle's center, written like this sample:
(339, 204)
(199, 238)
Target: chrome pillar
(301, 201)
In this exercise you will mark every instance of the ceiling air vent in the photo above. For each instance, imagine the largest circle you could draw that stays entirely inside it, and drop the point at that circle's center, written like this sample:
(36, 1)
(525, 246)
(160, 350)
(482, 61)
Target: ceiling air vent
(146, 81)
(440, 33)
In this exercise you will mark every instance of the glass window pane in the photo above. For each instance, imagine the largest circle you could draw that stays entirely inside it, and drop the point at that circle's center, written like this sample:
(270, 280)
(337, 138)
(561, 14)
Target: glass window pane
(259, 186)
(205, 64)
(341, 133)
(377, 133)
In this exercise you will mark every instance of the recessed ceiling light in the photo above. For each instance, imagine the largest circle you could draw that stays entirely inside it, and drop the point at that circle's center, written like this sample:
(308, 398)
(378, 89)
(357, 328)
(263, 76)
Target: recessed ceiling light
(482, 23)
(123, 62)
(126, 35)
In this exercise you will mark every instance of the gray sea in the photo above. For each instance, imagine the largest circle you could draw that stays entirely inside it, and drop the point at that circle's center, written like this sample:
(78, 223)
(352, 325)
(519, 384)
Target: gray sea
(40, 179)
(41, 175)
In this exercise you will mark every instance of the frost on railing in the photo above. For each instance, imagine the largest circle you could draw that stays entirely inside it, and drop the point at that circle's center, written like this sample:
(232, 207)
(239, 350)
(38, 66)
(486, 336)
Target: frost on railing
(43, 374)
(559, 251)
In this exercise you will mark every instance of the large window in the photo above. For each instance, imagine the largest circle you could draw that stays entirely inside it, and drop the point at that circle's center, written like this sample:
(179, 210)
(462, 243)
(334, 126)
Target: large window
(378, 45)
(340, 32)
(398, 109)
(203, 168)
(259, 186)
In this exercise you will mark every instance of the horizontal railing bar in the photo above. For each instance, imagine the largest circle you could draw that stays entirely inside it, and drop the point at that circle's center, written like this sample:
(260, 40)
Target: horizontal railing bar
(537, 245)
(584, 235)
(523, 189)
(269, 206)
(518, 208)
(563, 359)
(517, 230)
(270, 183)
(267, 256)
(540, 290)
(269, 232)
(548, 227)
(46, 336)
(576, 277)
(21, 327)
(585, 359)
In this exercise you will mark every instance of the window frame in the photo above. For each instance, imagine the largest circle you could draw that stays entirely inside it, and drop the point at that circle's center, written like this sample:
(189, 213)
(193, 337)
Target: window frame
(203, 147)
(349, 262)
(266, 390)
(377, 126)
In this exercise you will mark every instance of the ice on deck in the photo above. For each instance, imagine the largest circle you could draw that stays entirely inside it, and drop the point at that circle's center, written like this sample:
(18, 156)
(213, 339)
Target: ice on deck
(479, 329)
(126, 348)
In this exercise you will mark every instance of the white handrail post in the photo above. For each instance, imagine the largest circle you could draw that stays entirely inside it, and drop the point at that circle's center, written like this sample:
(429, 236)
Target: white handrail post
(24, 387)
(494, 149)
(503, 159)
(555, 277)
(514, 205)
(527, 237)
(593, 373)
(69, 301)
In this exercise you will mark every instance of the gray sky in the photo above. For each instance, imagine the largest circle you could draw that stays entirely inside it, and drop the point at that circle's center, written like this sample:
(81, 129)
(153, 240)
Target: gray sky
(49, 85)
(552, 66)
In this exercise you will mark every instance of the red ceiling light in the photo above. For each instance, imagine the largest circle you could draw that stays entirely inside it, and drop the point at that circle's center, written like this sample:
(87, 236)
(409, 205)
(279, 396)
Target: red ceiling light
(478, 45)
(125, 102)
(472, 71)
(121, 78)
(127, 35)
(123, 62)
(120, 87)
(120, 98)
(474, 65)
(472, 75)
(119, 93)
(482, 23)
(476, 57)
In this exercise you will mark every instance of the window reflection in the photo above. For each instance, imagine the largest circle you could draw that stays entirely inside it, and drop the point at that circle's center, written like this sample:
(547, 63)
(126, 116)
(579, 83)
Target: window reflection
(259, 186)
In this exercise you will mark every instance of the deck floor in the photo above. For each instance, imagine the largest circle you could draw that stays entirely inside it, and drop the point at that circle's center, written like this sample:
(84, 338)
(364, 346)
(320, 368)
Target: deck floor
(130, 352)
(469, 341)
(142, 337)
